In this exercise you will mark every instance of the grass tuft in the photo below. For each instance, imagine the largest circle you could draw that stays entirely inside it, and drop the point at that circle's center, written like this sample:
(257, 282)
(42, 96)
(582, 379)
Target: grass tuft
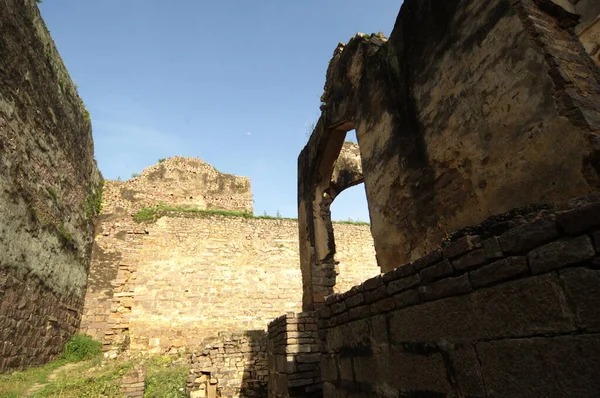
(81, 347)
(151, 214)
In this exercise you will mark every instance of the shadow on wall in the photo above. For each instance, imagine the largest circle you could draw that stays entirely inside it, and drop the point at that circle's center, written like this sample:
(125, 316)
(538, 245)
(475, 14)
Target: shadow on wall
(256, 374)
(230, 365)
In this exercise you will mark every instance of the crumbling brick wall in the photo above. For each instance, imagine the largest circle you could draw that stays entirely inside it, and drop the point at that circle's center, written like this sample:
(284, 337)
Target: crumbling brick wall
(230, 365)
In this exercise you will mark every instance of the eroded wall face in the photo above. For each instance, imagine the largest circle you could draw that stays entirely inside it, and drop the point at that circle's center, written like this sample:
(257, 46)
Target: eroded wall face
(513, 315)
(49, 189)
(171, 283)
(471, 109)
(180, 182)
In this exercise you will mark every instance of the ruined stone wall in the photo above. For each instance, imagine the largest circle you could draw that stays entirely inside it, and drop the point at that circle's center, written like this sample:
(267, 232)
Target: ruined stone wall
(294, 354)
(512, 314)
(230, 365)
(456, 115)
(50, 188)
(187, 276)
(180, 182)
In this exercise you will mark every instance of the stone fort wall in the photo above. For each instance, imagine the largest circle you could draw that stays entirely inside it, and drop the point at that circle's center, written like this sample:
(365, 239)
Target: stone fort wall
(49, 184)
(188, 276)
(185, 277)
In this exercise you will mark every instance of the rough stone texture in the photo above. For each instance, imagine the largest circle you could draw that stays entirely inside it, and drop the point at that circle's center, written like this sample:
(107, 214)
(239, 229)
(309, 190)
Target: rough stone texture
(168, 284)
(442, 151)
(526, 328)
(589, 26)
(582, 287)
(179, 182)
(561, 253)
(49, 185)
(133, 384)
(546, 367)
(230, 365)
(338, 167)
(294, 356)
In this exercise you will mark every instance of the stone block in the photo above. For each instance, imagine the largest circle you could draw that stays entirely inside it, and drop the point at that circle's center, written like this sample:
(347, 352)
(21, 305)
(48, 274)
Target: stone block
(338, 308)
(445, 288)
(435, 272)
(308, 358)
(525, 237)
(403, 284)
(525, 307)
(466, 369)
(329, 369)
(373, 283)
(582, 287)
(359, 312)
(355, 300)
(470, 260)
(499, 271)
(561, 253)
(491, 248)
(396, 273)
(580, 219)
(542, 367)
(384, 305)
(378, 294)
(428, 259)
(406, 299)
(461, 246)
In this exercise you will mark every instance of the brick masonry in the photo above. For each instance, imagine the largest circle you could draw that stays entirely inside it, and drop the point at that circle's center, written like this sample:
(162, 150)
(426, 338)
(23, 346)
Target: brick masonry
(49, 182)
(229, 365)
(294, 356)
(510, 315)
(167, 285)
(34, 322)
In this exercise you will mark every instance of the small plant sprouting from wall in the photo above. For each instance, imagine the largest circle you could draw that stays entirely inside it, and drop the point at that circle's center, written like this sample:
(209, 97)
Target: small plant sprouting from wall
(135, 175)
(93, 205)
(66, 235)
(161, 160)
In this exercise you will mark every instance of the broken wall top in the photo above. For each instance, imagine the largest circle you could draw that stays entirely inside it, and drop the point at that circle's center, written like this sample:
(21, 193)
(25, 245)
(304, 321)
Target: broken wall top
(179, 182)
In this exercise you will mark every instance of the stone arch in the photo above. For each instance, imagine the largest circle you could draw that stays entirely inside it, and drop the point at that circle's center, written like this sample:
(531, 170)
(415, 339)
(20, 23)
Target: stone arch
(328, 165)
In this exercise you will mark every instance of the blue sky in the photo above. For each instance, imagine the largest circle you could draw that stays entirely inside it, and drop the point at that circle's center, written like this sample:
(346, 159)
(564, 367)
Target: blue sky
(235, 83)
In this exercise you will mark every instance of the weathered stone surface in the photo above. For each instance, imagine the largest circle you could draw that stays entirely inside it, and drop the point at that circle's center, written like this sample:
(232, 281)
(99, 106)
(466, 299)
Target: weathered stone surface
(560, 254)
(408, 298)
(445, 287)
(375, 295)
(435, 272)
(383, 306)
(582, 287)
(355, 300)
(525, 237)
(50, 187)
(373, 283)
(466, 369)
(580, 219)
(532, 306)
(541, 367)
(499, 271)
(428, 259)
(492, 249)
(473, 259)
(403, 284)
(461, 246)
